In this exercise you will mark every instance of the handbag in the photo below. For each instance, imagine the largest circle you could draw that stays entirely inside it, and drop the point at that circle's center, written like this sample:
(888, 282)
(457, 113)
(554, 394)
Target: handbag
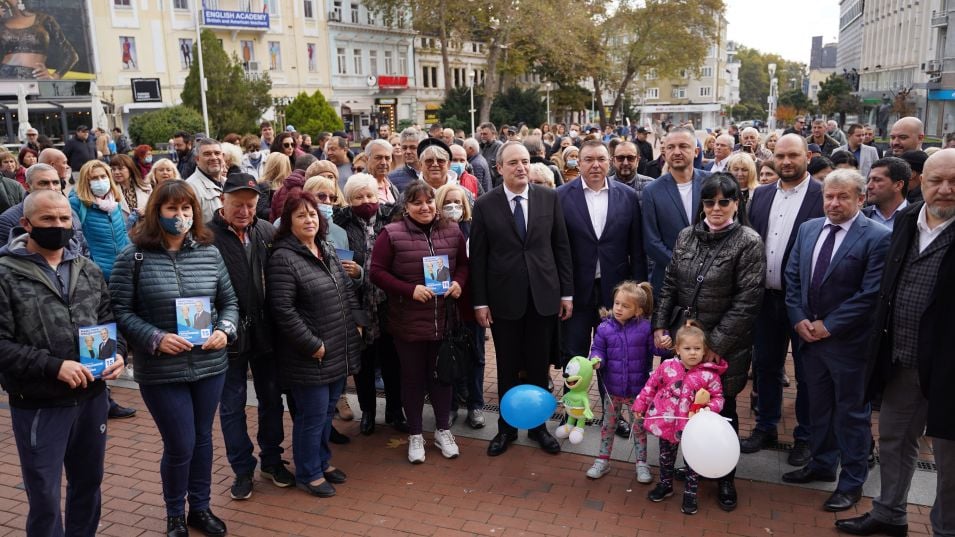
(682, 314)
(454, 354)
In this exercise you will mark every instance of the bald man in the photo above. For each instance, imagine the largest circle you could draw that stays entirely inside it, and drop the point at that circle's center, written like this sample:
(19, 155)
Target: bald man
(42, 176)
(911, 359)
(906, 134)
(57, 159)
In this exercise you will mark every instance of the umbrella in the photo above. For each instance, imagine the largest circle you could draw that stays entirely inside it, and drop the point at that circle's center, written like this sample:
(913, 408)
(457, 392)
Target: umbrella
(23, 113)
(98, 118)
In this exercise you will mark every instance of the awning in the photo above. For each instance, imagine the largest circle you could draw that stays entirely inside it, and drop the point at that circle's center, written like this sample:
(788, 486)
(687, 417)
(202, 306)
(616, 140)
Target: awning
(142, 106)
(357, 104)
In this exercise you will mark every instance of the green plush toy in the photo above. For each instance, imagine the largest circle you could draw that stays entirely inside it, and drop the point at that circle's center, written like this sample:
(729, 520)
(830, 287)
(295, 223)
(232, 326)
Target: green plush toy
(578, 374)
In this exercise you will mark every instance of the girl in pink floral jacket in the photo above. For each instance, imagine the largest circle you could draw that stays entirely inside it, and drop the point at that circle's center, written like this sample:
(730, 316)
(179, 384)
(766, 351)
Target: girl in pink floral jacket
(667, 400)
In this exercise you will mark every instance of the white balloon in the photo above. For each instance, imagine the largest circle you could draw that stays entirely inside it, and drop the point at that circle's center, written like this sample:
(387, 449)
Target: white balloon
(710, 446)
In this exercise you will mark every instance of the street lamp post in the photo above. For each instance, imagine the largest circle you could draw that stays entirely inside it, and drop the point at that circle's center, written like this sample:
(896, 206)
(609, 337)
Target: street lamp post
(593, 96)
(547, 85)
(471, 75)
(203, 83)
(773, 90)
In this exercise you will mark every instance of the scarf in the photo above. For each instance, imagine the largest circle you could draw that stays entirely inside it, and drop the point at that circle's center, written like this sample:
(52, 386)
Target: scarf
(107, 203)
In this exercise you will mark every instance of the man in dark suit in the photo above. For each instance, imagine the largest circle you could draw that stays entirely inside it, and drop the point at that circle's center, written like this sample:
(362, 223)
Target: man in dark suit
(107, 346)
(202, 319)
(832, 284)
(776, 212)
(911, 359)
(442, 273)
(522, 280)
(670, 202)
(606, 244)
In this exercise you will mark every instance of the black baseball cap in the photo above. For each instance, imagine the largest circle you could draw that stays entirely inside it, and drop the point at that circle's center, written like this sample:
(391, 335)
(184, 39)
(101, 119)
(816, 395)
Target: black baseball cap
(82, 128)
(240, 181)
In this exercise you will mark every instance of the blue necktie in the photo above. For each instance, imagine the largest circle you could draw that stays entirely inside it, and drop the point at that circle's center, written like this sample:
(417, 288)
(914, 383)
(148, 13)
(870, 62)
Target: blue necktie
(519, 217)
(822, 265)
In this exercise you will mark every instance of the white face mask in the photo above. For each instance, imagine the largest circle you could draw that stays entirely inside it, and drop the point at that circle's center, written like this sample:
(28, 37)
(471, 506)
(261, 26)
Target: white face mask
(453, 211)
(99, 187)
(255, 155)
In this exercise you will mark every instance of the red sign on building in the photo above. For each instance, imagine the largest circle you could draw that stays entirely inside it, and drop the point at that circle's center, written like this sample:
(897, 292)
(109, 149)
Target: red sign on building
(392, 82)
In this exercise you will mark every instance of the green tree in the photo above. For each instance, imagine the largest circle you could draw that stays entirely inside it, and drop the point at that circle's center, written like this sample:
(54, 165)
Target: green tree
(519, 106)
(754, 78)
(234, 100)
(157, 127)
(457, 104)
(796, 99)
(313, 114)
(835, 97)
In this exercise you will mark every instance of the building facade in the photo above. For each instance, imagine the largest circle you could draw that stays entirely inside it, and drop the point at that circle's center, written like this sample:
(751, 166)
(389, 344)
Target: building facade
(465, 58)
(940, 69)
(849, 49)
(822, 63)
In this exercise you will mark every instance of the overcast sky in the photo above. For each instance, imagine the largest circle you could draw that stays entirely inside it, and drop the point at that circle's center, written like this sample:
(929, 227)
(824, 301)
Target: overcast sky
(783, 27)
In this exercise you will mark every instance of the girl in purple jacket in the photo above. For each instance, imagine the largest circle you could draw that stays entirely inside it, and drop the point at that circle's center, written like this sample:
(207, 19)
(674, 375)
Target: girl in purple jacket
(624, 345)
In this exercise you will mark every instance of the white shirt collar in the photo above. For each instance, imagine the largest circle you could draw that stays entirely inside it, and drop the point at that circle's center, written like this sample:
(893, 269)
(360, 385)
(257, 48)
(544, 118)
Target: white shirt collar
(845, 225)
(797, 188)
(922, 222)
(510, 195)
(606, 186)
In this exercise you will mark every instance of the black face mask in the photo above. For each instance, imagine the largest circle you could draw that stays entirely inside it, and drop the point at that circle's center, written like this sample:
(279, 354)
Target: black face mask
(51, 238)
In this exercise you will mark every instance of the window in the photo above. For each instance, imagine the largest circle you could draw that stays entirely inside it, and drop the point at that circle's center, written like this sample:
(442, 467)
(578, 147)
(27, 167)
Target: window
(210, 4)
(309, 10)
(652, 93)
(652, 74)
(370, 16)
(180, 4)
(679, 93)
(275, 56)
(707, 72)
(122, 3)
(434, 77)
(273, 6)
(425, 76)
(130, 58)
(706, 91)
(684, 73)
(248, 54)
(354, 13)
(311, 51)
(341, 61)
(336, 14)
(373, 62)
(356, 60)
(389, 63)
(402, 62)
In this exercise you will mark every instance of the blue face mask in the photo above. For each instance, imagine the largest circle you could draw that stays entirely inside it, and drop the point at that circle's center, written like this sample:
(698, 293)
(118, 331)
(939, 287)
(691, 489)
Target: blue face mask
(457, 168)
(571, 163)
(99, 187)
(176, 225)
(148, 159)
(326, 211)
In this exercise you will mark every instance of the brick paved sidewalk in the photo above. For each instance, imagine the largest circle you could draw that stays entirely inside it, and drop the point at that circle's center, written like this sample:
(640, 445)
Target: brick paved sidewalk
(523, 492)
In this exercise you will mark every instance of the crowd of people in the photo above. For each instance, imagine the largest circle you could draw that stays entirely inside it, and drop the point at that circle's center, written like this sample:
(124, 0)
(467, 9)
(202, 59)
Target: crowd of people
(313, 263)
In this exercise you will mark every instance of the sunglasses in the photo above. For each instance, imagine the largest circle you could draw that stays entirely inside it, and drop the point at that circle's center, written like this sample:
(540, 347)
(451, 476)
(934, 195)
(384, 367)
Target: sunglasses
(327, 197)
(724, 202)
(434, 161)
(288, 145)
(627, 158)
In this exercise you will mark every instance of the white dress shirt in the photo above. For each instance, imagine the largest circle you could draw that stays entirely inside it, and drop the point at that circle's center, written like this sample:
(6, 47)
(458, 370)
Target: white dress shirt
(782, 221)
(926, 234)
(719, 166)
(510, 201)
(841, 236)
(597, 202)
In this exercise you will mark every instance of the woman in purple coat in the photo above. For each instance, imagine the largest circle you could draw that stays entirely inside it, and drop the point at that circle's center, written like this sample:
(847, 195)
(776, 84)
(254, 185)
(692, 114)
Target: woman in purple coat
(624, 345)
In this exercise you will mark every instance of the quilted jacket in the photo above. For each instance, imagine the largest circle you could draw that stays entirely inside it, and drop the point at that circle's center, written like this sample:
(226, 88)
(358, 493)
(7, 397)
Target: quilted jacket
(105, 233)
(671, 390)
(146, 313)
(626, 355)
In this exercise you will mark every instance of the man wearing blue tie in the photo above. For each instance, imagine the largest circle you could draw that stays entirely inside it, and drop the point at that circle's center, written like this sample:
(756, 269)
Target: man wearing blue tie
(832, 286)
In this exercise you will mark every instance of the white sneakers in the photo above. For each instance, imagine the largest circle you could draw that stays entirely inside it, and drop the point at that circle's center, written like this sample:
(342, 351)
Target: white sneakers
(416, 449)
(445, 441)
(643, 473)
(600, 468)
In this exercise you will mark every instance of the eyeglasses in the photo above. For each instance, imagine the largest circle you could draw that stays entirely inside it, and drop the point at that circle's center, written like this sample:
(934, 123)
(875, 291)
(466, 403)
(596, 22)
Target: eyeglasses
(288, 145)
(434, 161)
(724, 202)
(627, 158)
(357, 169)
(322, 196)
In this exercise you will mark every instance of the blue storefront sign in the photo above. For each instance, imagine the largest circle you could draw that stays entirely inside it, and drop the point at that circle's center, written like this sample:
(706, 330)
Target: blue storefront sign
(235, 19)
(941, 95)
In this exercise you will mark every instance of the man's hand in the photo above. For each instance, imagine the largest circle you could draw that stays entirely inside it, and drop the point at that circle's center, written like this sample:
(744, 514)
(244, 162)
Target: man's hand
(216, 341)
(806, 331)
(566, 309)
(320, 353)
(112, 372)
(662, 339)
(483, 317)
(174, 344)
(422, 294)
(74, 374)
(820, 330)
(454, 291)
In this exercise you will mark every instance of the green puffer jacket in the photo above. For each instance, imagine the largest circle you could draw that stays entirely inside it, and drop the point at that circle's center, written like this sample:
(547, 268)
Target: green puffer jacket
(38, 328)
(194, 271)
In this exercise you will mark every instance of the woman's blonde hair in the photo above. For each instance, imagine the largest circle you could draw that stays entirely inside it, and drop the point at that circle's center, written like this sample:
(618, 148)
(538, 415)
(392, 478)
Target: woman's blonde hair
(322, 166)
(362, 159)
(746, 161)
(277, 168)
(315, 183)
(83, 191)
(544, 172)
(442, 193)
(151, 176)
(641, 292)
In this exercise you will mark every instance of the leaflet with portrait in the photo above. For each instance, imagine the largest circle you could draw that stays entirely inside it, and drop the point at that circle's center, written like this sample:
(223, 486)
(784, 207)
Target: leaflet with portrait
(194, 319)
(437, 273)
(97, 346)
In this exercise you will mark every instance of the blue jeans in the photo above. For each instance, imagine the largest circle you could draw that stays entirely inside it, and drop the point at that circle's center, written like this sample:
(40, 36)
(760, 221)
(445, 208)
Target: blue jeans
(49, 440)
(771, 336)
(472, 387)
(238, 446)
(183, 413)
(311, 426)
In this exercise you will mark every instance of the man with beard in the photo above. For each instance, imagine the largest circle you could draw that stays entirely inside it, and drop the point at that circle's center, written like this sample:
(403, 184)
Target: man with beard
(626, 160)
(906, 135)
(182, 148)
(886, 188)
(776, 212)
(911, 359)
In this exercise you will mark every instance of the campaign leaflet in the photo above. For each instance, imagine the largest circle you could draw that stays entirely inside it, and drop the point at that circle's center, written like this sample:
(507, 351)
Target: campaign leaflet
(437, 273)
(97, 347)
(344, 255)
(194, 319)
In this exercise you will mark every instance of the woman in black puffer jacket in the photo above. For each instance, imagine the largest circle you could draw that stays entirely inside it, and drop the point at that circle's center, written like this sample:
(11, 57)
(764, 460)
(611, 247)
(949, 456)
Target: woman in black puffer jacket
(729, 298)
(319, 343)
(172, 257)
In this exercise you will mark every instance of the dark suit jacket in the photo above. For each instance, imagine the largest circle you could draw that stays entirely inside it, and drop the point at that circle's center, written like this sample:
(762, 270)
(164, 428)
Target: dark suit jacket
(504, 269)
(663, 218)
(762, 203)
(202, 320)
(107, 349)
(935, 351)
(850, 285)
(619, 248)
(443, 274)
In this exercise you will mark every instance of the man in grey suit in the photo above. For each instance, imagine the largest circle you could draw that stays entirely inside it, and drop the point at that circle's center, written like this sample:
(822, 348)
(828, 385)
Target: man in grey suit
(865, 155)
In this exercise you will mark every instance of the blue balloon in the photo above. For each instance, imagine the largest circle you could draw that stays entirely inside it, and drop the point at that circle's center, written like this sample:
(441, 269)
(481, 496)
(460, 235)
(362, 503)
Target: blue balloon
(527, 406)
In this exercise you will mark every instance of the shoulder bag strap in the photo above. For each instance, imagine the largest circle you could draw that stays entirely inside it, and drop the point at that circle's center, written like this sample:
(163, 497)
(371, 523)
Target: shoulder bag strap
(706, 267)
